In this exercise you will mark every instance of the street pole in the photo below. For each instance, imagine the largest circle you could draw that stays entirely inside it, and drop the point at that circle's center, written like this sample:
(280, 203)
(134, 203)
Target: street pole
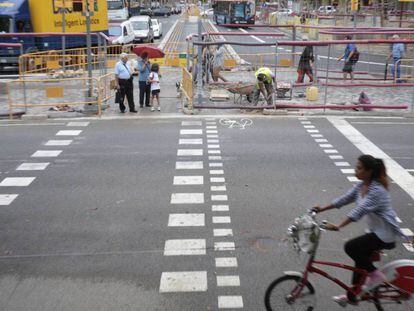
(199, 65)
(326, 78)
(63, 10)
(89, 47)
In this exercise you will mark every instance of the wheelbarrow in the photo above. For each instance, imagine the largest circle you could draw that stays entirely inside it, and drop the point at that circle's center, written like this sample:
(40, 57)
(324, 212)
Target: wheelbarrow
(241, 90)
(282, 88)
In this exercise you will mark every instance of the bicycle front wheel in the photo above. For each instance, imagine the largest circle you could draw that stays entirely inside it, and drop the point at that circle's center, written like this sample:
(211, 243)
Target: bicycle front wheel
(278, 295)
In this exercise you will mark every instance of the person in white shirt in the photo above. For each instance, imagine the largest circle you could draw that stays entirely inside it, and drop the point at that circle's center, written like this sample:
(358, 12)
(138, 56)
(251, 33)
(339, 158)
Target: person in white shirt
(123, 78)
(154, 79)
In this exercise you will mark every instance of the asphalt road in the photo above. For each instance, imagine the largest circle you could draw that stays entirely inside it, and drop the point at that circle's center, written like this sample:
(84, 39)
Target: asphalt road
(103, 225)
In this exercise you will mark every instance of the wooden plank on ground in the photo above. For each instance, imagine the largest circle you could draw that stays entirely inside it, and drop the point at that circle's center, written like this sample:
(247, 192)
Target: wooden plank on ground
(219, 95)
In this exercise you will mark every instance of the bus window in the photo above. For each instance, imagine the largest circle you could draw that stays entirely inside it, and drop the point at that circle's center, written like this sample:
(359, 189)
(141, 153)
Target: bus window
(4, 24)
(239, 10)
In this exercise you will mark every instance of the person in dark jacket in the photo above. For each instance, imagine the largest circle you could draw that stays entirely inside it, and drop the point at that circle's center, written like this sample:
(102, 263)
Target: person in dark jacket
(305, 63)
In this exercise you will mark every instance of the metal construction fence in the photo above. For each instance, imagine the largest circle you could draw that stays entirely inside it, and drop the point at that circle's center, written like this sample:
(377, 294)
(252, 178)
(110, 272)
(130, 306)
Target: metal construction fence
(47, 93)
(388, 91)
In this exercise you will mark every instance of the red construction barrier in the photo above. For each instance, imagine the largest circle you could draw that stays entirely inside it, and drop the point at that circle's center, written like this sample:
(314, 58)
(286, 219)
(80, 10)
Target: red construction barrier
(10, 45)
(306, 43)
(301, 106)
(258, 34)
(390, 29)
(368, 84)
(329, 32)
(361, 79)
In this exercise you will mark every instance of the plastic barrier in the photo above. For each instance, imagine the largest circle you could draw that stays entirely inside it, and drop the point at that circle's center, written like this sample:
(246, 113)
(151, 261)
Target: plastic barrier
(187, 87)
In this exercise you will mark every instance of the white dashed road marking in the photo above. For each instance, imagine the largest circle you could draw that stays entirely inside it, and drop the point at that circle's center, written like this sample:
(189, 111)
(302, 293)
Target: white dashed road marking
(226, 262)
(185, 247)
(191, 132)
(228, 280)
(69, 133)
(230, 302)
(189, 165)
(220, 208)
(46, 153)
(17, 181)
(189, 141)
(222, 232)
(80, 124)
(188, 180)
(185, 281)
(187, 198)
(224, 246)
(7, 199)
(189, 152)
(186, 220)
(32, 166)
(58, 142)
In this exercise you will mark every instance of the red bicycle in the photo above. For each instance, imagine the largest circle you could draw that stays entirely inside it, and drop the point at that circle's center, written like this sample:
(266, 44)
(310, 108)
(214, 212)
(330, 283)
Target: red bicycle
(294, 291)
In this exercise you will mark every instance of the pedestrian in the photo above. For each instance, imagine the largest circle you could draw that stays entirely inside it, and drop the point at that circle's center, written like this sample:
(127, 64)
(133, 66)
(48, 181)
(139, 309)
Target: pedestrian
(154, 80)
(218, 63)
(373, 202)
(264, 84)
(124, 85)
(397, 51)
(207, 63)
(349, 57)
(144, 68)
(306, 63)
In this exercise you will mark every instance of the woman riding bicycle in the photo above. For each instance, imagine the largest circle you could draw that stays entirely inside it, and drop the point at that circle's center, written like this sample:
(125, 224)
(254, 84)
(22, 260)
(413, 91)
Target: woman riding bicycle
(373, 200)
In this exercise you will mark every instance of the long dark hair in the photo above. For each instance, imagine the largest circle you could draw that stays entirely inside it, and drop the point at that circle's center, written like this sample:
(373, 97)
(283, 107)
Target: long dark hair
(379, 172)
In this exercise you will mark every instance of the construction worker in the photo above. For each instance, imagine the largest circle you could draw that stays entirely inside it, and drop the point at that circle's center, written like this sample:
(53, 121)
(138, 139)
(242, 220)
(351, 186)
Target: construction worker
(264, 84)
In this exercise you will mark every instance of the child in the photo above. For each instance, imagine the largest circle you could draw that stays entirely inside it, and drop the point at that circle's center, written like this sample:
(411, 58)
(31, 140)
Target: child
(154, 79)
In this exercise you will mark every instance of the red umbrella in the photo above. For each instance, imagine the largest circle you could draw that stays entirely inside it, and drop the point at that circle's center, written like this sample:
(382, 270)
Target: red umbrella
(152, 52)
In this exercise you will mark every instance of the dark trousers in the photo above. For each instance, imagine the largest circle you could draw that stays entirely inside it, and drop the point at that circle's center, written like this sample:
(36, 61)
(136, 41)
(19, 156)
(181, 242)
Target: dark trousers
(144, 91)
(301, 75)
(126, 88)
(360, 250)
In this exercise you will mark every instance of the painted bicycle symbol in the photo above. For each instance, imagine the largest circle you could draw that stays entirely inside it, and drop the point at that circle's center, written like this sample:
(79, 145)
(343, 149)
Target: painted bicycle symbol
(242, 124)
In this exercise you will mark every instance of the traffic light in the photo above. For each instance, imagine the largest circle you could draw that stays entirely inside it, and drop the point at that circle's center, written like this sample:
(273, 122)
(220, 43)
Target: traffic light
(354, 5)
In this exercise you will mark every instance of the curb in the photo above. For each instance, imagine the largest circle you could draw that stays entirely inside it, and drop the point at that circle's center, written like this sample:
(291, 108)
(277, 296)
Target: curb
(38, 117)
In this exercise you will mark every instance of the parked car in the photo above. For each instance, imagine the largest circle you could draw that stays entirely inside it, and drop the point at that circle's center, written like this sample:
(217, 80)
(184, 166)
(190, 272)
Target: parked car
(162, 11)
(121, 33)
(286, 12)
(142, 28)
(207, 13)
(157, 28)
(326, 9)
(146, 11)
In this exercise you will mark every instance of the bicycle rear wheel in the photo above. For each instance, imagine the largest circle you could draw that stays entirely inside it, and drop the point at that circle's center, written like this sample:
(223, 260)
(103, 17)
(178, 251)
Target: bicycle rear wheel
(278, 295)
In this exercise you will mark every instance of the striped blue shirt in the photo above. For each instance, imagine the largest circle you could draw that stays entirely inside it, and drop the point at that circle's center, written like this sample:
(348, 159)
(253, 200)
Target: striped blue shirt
(376, 207)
